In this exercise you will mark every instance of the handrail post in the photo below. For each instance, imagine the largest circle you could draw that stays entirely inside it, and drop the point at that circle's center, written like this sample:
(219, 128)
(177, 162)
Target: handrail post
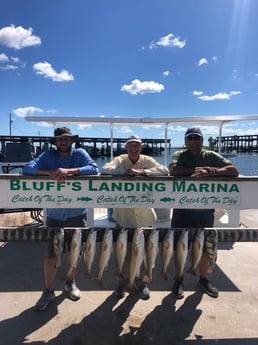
(90, 217)
(233, 218)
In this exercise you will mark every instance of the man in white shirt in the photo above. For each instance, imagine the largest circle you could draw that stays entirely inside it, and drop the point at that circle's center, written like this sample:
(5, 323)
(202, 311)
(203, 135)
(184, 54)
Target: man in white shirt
(134, 164)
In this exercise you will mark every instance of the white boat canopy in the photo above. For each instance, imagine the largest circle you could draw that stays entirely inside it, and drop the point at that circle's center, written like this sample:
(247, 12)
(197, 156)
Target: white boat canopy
(141, 121)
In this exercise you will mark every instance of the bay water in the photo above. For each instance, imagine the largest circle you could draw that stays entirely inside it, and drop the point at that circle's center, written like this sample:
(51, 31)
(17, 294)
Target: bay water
(247, 164)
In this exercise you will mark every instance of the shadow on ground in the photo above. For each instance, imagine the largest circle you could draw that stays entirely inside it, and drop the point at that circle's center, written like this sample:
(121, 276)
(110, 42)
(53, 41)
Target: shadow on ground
(109, 324)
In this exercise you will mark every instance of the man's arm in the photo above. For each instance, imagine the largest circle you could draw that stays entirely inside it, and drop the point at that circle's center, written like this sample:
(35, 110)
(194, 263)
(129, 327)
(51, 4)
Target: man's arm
(113, 168)
(176, 170)
(153, 168)
(228, 170)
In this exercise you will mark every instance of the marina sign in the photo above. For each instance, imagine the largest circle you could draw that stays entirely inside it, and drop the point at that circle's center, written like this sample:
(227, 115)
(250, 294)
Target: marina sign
(105, 191)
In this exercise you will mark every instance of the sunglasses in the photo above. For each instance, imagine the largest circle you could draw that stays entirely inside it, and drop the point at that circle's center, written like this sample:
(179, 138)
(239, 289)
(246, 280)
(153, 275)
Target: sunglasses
(193, 137)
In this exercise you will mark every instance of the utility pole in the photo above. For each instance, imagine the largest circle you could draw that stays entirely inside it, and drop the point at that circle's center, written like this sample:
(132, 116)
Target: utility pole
(10, 124)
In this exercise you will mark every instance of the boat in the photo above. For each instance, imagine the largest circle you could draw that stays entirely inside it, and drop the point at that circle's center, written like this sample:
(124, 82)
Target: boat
(229, 154)
(143, 121)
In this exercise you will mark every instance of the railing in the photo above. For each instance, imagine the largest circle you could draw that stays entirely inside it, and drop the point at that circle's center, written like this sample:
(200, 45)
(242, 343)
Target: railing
(232, 194)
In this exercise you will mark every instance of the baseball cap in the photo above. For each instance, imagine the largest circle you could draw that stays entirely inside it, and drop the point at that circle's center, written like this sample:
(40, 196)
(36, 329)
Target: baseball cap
(134, 138)
(194, 131)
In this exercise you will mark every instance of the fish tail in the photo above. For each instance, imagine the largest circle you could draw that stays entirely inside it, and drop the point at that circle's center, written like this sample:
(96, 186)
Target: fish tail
(119, 274)
(98, 280)
(88, 275)
(147, 278)
(164, 275)
(192, 271)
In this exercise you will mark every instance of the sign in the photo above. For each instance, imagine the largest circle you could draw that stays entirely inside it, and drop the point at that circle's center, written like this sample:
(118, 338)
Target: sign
(99, 191)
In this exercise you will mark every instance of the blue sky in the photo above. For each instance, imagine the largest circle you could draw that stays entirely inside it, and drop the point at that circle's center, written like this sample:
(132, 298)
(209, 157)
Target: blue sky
(137, 58)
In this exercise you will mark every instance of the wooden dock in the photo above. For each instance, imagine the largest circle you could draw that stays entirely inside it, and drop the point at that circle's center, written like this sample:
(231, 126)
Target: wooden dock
(96, 147)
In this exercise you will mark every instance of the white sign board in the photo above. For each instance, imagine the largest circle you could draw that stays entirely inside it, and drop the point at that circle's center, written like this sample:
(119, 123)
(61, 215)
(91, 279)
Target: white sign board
(98, 191)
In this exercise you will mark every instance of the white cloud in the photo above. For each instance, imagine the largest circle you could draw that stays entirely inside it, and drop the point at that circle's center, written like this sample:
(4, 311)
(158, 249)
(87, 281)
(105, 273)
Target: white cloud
(197, 93)
(9, 67)
(248, 129)
(52, 111)
(15, 59)
(166, 73)
(4, 58)
(148, 128)
(22, 112)
(125, 130)
(152, 45)
(42, 124)
(139, 87)
(168, 41)
(10, 63)
(83, 127)
(206, 129)
(202, 61)
(213, 130)
(218, 96)
(18, 37)
(45, 69)
(235, 74)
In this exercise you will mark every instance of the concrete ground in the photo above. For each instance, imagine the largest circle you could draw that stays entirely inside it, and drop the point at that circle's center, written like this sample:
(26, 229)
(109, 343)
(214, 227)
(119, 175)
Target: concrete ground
(99, 318)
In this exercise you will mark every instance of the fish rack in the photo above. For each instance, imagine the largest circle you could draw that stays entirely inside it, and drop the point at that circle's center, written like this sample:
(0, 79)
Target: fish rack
(39, 233)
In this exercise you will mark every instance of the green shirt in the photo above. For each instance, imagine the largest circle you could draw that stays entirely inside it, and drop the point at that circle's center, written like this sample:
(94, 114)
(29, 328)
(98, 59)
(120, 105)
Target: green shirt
(185, 158)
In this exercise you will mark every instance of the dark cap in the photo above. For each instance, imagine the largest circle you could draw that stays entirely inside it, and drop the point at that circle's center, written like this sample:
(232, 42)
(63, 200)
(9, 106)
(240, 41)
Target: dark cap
(134, 138)
(194, 131)
(63, 132)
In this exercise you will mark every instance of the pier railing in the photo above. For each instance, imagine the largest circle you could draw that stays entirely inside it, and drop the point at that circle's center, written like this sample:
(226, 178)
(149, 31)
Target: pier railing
(99, 191)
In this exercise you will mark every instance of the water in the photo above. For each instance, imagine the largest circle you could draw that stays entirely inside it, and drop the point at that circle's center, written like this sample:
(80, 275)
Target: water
(247, 164)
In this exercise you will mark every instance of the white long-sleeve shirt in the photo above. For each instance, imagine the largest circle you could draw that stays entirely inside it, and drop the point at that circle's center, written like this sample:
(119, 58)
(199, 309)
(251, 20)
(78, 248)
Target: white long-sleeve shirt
(134, 217)
(119, 165)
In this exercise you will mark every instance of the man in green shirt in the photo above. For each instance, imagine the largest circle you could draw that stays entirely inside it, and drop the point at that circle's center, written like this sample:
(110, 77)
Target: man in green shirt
(197, 162)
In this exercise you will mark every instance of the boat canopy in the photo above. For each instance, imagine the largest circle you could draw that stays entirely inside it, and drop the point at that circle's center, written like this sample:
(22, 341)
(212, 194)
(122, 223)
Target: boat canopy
(141, 121)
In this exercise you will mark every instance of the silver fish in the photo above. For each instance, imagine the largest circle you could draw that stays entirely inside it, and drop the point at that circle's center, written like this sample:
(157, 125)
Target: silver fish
(59, 247)
(211, 242)
(181, 253)
(137, 256)
(105, 253)
(167, 252)
(196, 251)
(89, 251)
(75, 252)
(151, 254)
(121, 250)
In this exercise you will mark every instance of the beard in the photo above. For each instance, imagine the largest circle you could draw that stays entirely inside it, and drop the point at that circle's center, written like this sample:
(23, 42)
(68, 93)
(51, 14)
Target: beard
(64, 148)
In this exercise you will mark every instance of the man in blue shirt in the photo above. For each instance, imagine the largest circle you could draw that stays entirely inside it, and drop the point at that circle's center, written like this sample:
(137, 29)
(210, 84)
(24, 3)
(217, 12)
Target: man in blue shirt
(58, 164)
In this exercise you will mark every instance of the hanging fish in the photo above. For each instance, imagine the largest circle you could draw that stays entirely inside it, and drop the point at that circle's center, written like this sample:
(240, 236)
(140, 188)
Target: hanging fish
(75, 252)
(151, 254)
(167, 252)
(181, 253)
(89, 251)
(196, 251)
(105, 253)
(211, 242)
(137, 256)
(121, 249)
(59, 246)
